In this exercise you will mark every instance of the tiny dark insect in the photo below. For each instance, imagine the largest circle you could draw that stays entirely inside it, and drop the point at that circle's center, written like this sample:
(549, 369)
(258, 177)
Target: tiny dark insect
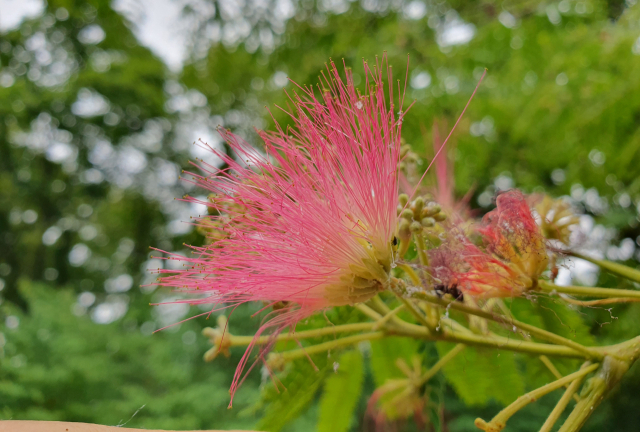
(394, 242)
(451, 289)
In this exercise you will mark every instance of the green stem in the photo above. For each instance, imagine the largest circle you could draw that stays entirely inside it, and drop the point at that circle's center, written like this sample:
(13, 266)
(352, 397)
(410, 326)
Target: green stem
(381, 308)
(594, 392)
(562, 404)
(601, 302)
(411, 273)
(555, 372)
(416, 313)
(375, 315)
(453, 326)
(587, 291)
(469, 338)
(499, 422)
(326, 346)
(440, 363)
(306, 334)
(404, 247)
(535, 331)
(422, 249)
(385, 319)
(615, 268)
(379, 305)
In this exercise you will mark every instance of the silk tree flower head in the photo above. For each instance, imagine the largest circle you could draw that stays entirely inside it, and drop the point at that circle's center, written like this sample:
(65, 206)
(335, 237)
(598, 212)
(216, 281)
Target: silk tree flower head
(310, 222)
(509, 260)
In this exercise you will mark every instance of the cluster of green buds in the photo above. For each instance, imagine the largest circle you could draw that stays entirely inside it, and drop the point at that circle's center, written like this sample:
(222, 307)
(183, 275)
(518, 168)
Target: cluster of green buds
(417, 215)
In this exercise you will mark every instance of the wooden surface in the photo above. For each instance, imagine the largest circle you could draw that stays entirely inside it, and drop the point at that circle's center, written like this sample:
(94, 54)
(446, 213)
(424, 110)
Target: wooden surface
(51, 426)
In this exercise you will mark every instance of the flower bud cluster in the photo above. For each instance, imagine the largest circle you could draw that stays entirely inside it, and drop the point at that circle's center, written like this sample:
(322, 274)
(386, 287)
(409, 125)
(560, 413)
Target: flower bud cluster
(417, 215)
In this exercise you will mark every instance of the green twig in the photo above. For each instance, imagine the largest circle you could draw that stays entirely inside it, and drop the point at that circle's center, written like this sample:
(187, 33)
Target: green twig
(587, 291)
(534, 331)
(416, 313)
(306, 334)
(326, 346)
(499, 422)
(440, 363)
(562, 403)
(615, 268)
(594, 391)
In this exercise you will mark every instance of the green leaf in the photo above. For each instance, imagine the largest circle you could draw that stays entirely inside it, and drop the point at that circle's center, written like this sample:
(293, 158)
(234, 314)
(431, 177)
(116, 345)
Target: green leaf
(555, 316)
(385, 352)
(479, 375)
(301, 384)
(341, 394)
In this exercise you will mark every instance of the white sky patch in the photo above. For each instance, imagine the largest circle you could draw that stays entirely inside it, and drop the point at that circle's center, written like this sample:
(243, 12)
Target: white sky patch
(90, 104)
(507, 20)
(13, 12)
(415, 10)
(420, 79)
(203, 141)
(456, 33)
(576, 270)
(158, 25)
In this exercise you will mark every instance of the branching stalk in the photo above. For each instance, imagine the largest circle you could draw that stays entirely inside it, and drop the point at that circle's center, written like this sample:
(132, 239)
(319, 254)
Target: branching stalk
(595, 390)
(385, 319)
(499, 422)
(601, 302)
(411, 273)
(534, 331)
(440, 363)
(306, 334)
(416, 313)
(327, 346)
(562, 403)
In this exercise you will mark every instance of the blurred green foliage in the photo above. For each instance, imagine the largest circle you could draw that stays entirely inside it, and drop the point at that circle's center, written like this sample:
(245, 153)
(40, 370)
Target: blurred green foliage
(94, 131)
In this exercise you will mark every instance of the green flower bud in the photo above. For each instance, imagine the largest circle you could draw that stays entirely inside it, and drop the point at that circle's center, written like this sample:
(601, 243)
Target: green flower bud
(407, 214)
(440, 217)
(431, 209)
(417, 205)
(404, 230)
(403, 199)
(428, 222)
(415, 227)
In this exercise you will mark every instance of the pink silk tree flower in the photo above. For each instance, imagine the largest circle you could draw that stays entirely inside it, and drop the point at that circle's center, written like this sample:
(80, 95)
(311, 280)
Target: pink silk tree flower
(509, 262)
(311, 222)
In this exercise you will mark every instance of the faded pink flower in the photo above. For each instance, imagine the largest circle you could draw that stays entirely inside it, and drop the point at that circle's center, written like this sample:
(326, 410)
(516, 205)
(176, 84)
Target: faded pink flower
(512, 257)
(313, 221)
